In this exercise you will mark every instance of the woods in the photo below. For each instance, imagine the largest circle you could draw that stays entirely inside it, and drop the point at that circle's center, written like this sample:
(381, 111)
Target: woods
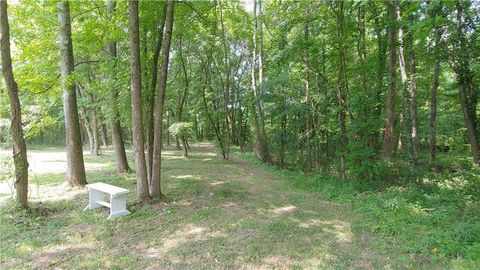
(372, 95)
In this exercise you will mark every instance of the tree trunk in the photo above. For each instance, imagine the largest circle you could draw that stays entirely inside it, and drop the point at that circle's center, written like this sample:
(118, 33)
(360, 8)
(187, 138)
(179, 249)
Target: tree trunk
(167, 132)
(96, 141)
(379, 78)
(433, 93)
(466, 86)
(104, 133)
(86, 123)
(155, 189)
(413, 93)
(342, 88)
(75, 175)
(406, 113)
(185, 148)
(136, 89)
(151, 95)
(308, 124)
(183, 97)
(392, 83)
(18, 142)
(121, 162)
(259, 123)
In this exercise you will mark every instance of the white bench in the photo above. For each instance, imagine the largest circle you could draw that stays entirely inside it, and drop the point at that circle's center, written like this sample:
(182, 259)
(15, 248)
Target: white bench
(117, 205)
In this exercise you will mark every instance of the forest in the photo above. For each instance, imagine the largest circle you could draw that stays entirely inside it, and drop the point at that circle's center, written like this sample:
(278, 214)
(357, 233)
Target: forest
(275, 134)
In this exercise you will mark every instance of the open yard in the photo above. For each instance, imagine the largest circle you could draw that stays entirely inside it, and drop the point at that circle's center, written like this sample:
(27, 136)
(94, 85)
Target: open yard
(219, 215)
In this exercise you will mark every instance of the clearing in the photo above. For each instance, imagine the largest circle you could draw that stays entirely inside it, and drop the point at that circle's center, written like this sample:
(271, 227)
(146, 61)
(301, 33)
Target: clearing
(220, 215)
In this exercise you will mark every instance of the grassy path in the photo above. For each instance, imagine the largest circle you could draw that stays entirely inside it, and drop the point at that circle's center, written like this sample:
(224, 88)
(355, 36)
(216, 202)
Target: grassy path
(221, 215)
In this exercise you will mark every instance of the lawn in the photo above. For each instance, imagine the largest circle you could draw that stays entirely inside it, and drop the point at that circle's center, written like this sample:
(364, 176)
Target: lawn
(219, 215)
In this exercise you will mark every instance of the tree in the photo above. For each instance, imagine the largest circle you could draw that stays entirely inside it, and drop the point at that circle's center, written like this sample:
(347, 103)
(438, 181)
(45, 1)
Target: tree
(151, 96)
(257, 65)
(137, 116)
(75, 175)
(466, 84)
(392, 82)
(155, 189)
(121, 162)
(18, 141)
(435, 84)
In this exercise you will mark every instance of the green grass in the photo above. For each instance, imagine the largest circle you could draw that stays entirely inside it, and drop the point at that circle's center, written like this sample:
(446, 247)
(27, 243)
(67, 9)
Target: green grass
(434, 215)
(228, 215)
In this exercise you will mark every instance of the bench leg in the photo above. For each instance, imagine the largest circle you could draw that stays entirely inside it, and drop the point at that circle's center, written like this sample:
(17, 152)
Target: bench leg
(118, 206)
(94, 196)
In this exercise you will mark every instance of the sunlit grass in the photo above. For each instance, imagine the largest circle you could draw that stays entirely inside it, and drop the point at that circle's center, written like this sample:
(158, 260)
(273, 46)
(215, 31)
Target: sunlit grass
(219, 215)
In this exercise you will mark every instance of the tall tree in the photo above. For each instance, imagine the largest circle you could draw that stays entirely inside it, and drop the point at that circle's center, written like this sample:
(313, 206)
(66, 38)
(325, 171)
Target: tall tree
(121, 162)
(18, 141)
(435, 84)
(406, 113)
(466, 84)
(151, 95)
(342, 84)
(392, 82)
(155, 189)
(409, 45)
(257, 63)
(137, 116)
(75, 175)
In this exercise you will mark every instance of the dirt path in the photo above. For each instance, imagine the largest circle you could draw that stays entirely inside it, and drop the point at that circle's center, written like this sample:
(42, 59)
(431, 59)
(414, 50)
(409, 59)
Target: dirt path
(221, 215)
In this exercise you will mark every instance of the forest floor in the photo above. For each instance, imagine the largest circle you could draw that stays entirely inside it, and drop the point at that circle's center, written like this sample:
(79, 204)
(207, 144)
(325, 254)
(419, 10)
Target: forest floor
(219, 215)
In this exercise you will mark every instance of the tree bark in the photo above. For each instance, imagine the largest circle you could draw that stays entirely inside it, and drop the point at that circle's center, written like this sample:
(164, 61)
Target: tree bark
(155, 189)
(167, 133)
(413, 93)
(406, 116)
(96, 141)
(381, 62)
(342, 87)
(104, 132)
(259, 123)
(142, 194)
(433, 93)
(18, 142)
(75, 175)
(121, 162)
(392, 83)
(466, 86)
(151, 95)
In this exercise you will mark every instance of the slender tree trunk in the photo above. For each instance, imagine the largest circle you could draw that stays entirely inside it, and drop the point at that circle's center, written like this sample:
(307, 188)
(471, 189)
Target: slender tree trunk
(75, 175)
(392, 84)
(96, 141)
(86, 123)
(259, 123)
(137, 121)
(151, 95)
(308, 124)
(342, 88)
(381, 62)
(413, 93)
(155, 189)
(406, 113)
(104, 132)
(121, 162)
(18, 142)
(433, 93)
(167, 132)
(185, 148)
(466, 86)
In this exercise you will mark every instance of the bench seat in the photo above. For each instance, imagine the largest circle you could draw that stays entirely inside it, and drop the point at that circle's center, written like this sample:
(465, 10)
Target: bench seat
(117, 204)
